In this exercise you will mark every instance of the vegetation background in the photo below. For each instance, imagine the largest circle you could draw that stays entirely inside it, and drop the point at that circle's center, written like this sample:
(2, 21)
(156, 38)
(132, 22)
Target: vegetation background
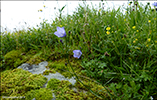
(119, 50)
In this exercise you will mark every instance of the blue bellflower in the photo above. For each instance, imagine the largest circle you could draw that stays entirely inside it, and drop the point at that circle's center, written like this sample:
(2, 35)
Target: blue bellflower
(155, 4)
(77, 53)
(60, 32)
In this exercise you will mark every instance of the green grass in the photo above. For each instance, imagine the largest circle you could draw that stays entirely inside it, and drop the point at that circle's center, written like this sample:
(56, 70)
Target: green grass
(118, 50)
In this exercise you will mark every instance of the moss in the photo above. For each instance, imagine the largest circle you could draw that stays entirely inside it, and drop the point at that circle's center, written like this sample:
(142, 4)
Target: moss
(36, 59)
(60, 67)
(41, 94)
(18, 81)
(57, 66)
(13, 59)
(63, 91)
(46, 72)
(66, 74)
(53, 84)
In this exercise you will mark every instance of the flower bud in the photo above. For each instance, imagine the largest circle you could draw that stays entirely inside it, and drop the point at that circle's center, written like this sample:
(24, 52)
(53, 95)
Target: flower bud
(61, 41)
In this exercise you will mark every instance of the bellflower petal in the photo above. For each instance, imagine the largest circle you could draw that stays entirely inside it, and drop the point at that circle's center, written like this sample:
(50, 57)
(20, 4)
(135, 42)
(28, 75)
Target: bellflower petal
(60, 32)
(155, 4)
(77, 53)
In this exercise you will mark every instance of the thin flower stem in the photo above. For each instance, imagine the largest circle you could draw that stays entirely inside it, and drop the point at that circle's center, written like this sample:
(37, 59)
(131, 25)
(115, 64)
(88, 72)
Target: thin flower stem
(96, 94)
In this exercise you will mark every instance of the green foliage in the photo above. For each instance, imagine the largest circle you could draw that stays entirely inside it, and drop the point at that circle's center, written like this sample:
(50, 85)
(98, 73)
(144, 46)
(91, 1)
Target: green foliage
(40, 94)
(95, 72)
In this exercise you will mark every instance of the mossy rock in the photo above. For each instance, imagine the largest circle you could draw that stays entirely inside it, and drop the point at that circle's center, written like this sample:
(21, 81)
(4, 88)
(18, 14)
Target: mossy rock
(18, 81)
(60, 67)
(13, 59)
(63, 91)
(40, 94)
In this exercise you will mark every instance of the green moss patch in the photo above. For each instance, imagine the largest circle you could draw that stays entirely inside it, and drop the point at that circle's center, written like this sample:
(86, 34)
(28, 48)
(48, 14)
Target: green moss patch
(46, 72)
(36, 59)
(13, 59)
(64, 90)
(66, 71)
(18, 81)
(40, 94)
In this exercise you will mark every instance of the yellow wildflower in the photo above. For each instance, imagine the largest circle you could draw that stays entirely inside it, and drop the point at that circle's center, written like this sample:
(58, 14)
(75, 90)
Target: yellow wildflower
(134, 27)
(99, 10)
(134, 41)
(149, 21)
(108, 32)
(149, 39)
(147, 45)
(40, 10)
(60, 25)
(108, 28)
(137, 30)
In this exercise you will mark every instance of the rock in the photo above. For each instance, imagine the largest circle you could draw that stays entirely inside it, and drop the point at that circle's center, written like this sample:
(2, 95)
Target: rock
(35, 69)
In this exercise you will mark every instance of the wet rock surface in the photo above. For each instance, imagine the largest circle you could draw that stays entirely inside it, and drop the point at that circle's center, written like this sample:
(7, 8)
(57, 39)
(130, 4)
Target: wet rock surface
(40, 68)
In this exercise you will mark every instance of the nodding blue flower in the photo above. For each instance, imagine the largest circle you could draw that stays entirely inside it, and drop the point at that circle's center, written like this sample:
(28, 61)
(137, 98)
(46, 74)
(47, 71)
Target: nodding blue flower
(77, 53)
(155, 4)
(60, 32)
